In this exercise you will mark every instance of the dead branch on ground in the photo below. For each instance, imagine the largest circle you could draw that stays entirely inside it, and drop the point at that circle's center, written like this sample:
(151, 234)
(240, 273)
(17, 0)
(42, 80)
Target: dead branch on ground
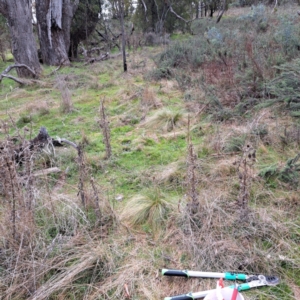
(18, 80)
(102, 57)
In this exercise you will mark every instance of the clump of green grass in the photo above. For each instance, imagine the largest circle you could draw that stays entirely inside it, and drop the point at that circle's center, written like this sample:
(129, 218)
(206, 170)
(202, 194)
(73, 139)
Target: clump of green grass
(24, 120)
(151, 208)
(235, 143)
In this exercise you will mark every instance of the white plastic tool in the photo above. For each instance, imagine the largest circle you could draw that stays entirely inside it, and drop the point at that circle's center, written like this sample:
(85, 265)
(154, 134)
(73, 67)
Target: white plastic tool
(225, 292)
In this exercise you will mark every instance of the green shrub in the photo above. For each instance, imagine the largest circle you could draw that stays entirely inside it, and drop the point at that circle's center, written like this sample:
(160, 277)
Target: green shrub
(159, 73)
(258, 17)
(261, 130)
(287, 34)
(289, 173)
(183, 54)
(285, 88)
(235, 143)
(215, 36)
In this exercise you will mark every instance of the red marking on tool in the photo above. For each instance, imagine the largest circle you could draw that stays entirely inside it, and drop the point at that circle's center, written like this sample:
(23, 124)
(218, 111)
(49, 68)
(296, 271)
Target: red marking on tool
(235, 293)
(221, 283)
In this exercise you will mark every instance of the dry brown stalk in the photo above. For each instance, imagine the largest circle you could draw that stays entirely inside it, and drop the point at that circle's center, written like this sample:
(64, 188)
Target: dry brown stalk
(11, 187)
(244, 170)
(18, 193)
(96, 196)
(104, 125)
(29, 183)
(192, 180)
(257, 70)
(82, 175)
(66, 96)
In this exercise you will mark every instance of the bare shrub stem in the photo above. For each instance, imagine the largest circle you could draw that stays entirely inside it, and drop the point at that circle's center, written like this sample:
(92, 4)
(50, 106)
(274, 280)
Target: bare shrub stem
(104, 125)
(245, 179)
(192, 176)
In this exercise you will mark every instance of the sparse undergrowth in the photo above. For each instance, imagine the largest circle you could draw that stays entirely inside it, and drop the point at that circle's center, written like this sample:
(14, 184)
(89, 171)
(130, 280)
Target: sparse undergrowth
(173, 144)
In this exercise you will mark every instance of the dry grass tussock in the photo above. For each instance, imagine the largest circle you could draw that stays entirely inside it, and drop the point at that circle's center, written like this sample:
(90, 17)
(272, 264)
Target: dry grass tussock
(224, 168)
(132, 277)
(263, 128)
(40, 108)
(168, 174)
(85, 258)
(168, 86)
(66, 104)
(149, 99)
(66, 249)
(65, 246)
(166, 120)
(234, 246)
(151, 208)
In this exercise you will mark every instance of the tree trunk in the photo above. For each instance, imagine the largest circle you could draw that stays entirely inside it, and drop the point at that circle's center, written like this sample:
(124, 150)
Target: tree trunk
(54, 24)
(121, 9)
(68, 11)
(83, 24)
(154, 16)
(19, 16)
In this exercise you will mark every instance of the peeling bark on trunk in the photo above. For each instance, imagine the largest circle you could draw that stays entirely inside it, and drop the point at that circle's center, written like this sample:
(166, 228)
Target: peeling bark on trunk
(54, 23)
(69, 10)
(19, 16)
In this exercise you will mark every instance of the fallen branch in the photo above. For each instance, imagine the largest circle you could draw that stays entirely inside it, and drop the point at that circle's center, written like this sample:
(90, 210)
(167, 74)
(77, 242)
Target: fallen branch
(18, 80)
(46, 172)
(61, 141)
(99, 58)
(54, 71)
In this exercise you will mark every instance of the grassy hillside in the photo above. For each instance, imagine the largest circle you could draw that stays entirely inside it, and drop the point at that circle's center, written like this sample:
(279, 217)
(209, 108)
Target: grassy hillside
(203, 172)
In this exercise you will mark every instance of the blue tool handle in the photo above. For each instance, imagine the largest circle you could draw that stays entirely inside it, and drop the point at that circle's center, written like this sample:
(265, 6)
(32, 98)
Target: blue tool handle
(235, 276)
(244, 287)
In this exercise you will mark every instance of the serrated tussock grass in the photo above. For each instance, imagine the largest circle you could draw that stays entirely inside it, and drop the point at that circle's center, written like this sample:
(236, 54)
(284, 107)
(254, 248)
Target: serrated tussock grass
(150, 209)
(166, 120)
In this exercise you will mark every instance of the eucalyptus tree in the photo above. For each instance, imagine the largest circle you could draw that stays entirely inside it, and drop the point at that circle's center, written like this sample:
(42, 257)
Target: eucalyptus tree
(118, 12)
(4, 37)
(164, 15)
(87, 16)
(54, 19)
(18, 14)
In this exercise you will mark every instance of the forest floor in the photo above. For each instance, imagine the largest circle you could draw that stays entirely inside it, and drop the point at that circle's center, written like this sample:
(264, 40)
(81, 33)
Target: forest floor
(201, 176)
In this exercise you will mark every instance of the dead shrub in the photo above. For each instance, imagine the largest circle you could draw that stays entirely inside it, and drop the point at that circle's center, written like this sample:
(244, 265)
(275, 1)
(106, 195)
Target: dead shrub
(66, 104)
(41, 108)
